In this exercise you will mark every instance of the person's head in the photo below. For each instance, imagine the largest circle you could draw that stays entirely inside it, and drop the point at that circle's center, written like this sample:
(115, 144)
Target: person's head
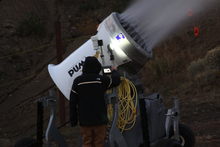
(91, 65)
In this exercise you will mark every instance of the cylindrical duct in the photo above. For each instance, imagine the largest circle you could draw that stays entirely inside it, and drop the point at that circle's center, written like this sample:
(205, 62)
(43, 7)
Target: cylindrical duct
(117, 38)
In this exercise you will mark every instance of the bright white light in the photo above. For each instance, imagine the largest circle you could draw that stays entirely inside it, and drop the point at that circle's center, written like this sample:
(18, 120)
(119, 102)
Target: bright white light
(114, 45)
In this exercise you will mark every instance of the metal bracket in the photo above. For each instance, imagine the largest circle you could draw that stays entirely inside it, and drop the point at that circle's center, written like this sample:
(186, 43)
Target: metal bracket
(52, 133)
(115, 136)
(173, 120)
(116, 139)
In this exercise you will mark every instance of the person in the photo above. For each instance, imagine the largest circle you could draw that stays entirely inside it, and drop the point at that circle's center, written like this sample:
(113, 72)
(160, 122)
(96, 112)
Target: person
(87, 102)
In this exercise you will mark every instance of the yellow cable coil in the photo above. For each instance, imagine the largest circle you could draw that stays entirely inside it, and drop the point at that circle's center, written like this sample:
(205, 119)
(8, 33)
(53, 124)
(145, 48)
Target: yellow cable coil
(127, 96)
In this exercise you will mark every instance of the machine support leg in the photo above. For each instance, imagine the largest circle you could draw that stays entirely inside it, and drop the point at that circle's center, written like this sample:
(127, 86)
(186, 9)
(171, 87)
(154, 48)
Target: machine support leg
(176, 119)
(40, 116)
(52, 133)
(144, 123)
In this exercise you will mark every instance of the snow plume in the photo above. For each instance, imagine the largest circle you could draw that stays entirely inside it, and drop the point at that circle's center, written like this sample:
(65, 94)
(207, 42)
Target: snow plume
(154, 20)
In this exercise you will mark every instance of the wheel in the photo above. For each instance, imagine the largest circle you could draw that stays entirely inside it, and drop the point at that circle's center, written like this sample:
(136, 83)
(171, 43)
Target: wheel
(187, 137)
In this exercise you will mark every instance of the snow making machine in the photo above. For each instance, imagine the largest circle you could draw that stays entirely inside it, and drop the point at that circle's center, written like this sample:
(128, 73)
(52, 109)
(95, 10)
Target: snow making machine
(135, 120)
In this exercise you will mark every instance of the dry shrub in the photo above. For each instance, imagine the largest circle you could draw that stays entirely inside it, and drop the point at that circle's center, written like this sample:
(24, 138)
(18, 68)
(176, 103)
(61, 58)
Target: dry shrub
(196, 67)
(31, 25)
(213, 59)
(206, 70)
(165, 63)
(164, 72)
(158, 67)
(209, 77)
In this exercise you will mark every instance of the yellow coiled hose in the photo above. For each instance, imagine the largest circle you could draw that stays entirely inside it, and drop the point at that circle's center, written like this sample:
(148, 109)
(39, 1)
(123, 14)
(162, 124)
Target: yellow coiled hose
(127, 104)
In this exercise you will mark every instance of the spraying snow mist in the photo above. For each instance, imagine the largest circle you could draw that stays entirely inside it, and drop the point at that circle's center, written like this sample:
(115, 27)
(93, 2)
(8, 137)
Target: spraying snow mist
(154, 20)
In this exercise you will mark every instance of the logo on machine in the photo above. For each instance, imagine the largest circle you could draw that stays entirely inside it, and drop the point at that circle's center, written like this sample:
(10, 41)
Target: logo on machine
(76, 68)
(120, 36)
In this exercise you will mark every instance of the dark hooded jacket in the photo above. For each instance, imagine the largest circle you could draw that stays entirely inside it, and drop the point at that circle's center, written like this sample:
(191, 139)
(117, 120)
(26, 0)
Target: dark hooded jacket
(87, 102)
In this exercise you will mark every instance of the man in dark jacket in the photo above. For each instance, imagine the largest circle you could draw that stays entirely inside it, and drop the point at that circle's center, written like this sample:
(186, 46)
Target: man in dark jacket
(87, 102)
